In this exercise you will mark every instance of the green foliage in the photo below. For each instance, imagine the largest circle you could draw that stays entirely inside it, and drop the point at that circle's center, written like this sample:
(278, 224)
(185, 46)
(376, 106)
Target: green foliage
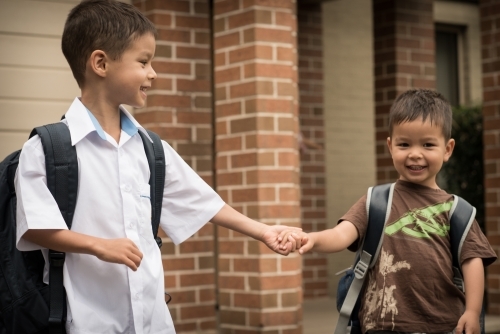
(463, 173)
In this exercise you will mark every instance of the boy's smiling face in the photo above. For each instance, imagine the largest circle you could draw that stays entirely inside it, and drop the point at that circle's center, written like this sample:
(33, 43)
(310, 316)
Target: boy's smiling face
(130, 76)
(419, 150)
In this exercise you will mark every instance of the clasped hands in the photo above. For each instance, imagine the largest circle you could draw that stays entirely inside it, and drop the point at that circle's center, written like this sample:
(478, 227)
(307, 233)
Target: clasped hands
(285, 240)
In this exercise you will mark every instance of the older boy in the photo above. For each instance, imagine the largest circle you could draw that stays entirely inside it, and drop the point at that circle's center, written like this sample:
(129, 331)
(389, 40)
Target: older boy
(113, 272)
(410, 289)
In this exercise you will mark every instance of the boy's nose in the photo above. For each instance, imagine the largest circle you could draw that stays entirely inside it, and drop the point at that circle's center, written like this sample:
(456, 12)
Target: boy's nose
(415, 153)
(152, 74)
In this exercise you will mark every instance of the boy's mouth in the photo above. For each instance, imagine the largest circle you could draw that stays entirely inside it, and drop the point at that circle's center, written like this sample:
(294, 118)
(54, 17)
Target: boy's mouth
(415, 168)
(144, 88)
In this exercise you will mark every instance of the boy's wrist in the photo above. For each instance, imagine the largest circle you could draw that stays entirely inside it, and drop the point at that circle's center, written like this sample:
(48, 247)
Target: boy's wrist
(93, 246)
(473, 310)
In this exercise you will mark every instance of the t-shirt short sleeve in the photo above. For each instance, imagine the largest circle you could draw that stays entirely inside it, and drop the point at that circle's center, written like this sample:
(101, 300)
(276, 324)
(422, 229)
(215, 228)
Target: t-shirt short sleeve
(357, 215)
(476, 245)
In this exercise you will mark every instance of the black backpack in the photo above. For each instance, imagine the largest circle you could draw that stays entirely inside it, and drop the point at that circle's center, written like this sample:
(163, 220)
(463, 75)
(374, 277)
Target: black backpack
(378, 203)
(27, 305)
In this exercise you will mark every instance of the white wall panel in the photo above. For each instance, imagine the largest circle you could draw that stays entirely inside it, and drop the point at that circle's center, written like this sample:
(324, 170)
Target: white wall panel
(349, 112)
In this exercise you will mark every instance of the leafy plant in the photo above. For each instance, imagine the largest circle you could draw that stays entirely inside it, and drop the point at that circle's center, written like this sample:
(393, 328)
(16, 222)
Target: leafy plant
(463, 174)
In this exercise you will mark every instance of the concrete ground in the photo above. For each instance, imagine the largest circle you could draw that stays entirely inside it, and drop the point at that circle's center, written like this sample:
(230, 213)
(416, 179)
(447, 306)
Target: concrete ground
(320, 317)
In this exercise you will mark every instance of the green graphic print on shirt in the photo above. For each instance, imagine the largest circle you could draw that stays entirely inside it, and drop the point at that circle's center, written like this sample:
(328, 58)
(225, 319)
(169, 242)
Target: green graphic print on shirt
(418, 223)
(423, 222)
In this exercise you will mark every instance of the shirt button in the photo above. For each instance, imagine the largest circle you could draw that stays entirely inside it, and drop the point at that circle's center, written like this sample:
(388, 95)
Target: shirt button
(137, 296)
(131, 224)
(127, 188)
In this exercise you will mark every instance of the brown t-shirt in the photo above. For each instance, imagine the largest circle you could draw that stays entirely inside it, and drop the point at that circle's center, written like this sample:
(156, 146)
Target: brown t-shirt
(410, 288)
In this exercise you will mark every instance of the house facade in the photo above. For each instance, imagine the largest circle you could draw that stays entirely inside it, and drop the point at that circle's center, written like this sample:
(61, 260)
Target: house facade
(281, 106)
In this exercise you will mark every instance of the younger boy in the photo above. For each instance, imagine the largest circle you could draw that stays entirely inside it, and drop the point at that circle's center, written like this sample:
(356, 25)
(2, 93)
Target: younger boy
(410, 289)
(113, 272)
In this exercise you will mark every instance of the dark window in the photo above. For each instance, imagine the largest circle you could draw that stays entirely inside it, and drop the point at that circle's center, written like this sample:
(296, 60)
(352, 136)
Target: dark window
(447, 65)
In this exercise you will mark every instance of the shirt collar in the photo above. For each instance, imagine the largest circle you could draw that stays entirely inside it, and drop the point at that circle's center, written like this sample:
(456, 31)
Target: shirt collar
(82, 122)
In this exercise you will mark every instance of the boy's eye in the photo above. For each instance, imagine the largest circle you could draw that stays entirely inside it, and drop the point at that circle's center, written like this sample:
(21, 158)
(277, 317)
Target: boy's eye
(428, 145)
(143, 62)
(403, 144)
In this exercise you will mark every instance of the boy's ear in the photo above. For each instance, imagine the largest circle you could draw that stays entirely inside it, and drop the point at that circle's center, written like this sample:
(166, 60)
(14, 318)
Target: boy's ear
(450, 145)
(389, 144)
(98, 62)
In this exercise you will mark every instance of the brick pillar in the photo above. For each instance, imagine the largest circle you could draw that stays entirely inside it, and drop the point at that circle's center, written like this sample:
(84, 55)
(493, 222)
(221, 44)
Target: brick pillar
(312, 161)
(257, 161)
(179, 110)
(490, 40)
(404, 51)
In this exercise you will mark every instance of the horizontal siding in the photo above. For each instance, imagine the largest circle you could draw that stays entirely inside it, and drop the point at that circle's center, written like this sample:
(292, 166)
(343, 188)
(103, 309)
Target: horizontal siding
(36, 84)
(33, 17)
(11, 142)
(20, 115)
(31, 51)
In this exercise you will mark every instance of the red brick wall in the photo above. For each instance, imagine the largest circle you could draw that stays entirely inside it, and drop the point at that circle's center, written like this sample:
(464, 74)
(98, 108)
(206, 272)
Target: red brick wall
(257, 161)
(312, 160)
(490, 40)
(404, 58)
(179, 110)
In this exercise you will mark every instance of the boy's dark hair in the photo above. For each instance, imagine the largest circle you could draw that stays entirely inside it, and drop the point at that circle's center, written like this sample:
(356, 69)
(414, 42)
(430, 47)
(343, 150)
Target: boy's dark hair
(106, 25)
(422, 103)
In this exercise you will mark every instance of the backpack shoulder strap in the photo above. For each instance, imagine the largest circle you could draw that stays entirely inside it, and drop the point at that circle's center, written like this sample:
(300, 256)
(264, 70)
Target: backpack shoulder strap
(378, 206)
(156, 160)
(462, 216)
(61, 166)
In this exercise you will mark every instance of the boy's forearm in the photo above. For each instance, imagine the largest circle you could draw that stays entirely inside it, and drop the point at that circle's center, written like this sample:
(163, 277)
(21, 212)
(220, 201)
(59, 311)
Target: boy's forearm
(473, 271)
(336, 239)
(232, 219)
(62, 240)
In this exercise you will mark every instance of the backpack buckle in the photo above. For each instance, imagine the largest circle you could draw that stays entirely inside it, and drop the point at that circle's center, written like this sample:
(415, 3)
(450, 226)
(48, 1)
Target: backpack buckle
(459, 283)
(362, 266)
(360, 269)
(56, 258)
(159, 242)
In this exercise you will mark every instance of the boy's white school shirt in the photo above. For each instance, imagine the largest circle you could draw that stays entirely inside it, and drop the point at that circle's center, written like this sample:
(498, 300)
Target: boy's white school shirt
(113, 202)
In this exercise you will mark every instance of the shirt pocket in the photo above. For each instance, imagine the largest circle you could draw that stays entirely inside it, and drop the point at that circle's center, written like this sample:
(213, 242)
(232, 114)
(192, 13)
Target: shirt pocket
(145, 212)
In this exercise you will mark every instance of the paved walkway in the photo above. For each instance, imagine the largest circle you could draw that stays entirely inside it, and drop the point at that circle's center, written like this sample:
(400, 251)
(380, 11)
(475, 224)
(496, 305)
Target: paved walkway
(320, 317)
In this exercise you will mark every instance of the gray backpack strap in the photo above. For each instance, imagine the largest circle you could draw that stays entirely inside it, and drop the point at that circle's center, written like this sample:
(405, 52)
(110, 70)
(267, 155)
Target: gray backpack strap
(462, 216)
(378, 205)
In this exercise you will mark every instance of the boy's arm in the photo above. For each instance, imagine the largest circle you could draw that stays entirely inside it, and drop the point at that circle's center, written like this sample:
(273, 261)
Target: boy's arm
(270, 235)
(473, 271)
(332, 240)
(122, 251)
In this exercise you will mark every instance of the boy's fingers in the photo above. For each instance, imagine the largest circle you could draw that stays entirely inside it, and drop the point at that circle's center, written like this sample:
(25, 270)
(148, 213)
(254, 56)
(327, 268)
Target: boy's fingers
(291, 241)
(136, 259)
(305, 248)
(284, 241)
(281, 235)
(296, 240)
(129, 263)
(137, 252)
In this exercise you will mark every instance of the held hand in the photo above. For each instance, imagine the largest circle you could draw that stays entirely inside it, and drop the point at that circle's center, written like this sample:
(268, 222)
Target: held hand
(277, 239)
(307, 244)
(292, 237)
(468, 323)
(122, 251)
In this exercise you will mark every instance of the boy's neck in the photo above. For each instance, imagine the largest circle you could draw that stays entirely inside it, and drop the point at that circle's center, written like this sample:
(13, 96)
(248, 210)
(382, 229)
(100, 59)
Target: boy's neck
(107, 115)
(430, 185)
